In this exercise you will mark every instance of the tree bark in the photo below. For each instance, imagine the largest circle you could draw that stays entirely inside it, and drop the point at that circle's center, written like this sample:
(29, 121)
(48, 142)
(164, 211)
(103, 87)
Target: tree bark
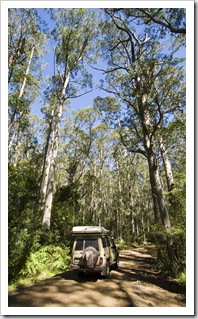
(120, 204)
(47, 171)
(93, 195)
(149, 144)
(130, 188)
(167, 165)
(154, 197)
(50, 176)
(157, 187)
(49, 179)
(44, 181)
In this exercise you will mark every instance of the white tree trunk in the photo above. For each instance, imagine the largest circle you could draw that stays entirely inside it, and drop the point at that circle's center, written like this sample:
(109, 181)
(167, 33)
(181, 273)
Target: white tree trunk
(47, 171)
(50, 171)
(157, 188)
(167, 165)
(49, 193)
(94, 205)
(121, 204)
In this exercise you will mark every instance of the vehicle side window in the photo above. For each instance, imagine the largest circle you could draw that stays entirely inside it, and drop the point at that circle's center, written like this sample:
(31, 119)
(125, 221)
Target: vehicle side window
(108, 242)
(104, 243)
(91, 242)
(79, 244)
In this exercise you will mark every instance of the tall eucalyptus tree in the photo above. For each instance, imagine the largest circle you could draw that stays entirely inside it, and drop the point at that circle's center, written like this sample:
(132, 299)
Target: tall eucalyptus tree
(144, 78)
(73, 38)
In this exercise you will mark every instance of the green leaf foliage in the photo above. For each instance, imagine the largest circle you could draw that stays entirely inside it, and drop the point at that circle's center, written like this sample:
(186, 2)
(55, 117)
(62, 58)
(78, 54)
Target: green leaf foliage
(48, 259)
(170, 249)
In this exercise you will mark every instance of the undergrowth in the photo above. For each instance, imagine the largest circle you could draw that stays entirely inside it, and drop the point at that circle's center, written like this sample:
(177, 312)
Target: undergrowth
(41, 264)
(121, 244)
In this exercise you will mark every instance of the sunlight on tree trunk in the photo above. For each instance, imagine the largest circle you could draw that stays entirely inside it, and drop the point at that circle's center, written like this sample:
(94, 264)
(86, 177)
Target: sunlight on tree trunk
(167, 165)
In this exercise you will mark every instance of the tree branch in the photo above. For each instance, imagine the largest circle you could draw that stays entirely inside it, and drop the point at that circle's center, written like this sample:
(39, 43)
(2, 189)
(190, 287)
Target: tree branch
(166, 24)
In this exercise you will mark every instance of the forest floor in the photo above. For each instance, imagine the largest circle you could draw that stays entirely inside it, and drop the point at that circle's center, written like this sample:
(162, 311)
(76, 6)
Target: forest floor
(136, 283)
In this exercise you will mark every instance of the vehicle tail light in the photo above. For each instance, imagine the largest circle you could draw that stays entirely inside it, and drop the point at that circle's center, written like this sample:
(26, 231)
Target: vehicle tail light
(101, 261)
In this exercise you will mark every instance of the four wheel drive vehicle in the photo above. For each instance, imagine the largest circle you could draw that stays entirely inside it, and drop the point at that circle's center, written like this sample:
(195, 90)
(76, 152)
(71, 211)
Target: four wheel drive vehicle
(93, 250)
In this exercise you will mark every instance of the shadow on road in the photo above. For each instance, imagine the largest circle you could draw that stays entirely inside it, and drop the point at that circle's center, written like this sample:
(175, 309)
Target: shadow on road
(144, 270)
(72, 275)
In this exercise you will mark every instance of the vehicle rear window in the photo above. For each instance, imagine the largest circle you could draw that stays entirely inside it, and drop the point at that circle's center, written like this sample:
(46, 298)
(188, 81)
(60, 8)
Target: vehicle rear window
(91, 242)
(79, 244)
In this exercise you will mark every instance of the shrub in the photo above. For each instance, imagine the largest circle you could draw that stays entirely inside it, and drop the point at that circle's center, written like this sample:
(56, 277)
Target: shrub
(121, 244)
(182, 278)
(170, 249)
(47, 260)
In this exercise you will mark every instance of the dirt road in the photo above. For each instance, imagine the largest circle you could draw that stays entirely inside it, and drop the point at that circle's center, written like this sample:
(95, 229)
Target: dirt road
(135, 284)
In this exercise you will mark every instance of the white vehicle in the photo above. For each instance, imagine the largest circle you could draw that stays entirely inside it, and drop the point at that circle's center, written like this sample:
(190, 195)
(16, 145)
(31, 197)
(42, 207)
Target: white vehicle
(93, 250)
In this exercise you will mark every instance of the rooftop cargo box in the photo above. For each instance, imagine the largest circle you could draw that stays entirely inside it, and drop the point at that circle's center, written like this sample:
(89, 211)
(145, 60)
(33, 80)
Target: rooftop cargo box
(89, 230)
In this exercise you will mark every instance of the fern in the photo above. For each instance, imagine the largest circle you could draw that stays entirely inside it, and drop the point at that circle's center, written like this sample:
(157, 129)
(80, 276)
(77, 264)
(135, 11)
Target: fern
(48, 259)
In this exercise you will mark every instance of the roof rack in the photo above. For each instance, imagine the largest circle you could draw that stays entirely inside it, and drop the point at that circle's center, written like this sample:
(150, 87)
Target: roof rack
(89, 230)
